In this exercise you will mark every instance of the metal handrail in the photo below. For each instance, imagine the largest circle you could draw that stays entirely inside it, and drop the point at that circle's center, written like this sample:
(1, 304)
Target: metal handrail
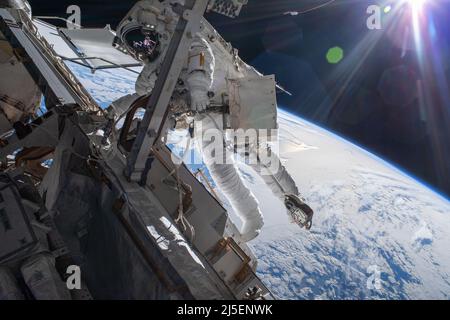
(121, 66)
(58, 18)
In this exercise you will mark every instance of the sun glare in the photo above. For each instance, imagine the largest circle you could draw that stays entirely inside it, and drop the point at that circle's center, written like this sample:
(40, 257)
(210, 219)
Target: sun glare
(416, 4)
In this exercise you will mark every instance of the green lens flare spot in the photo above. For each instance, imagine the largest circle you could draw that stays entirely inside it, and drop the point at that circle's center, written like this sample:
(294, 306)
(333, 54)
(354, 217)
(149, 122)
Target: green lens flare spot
(335, 55)
(387, 9)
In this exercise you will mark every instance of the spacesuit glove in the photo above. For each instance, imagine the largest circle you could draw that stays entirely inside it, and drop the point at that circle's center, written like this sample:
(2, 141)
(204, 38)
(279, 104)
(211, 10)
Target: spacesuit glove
(199, 100)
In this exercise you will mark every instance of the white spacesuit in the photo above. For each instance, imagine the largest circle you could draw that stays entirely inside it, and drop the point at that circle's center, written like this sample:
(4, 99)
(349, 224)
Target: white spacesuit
(145, 33)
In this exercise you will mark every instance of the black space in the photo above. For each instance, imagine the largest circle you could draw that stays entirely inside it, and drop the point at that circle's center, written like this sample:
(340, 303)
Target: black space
(370, 97)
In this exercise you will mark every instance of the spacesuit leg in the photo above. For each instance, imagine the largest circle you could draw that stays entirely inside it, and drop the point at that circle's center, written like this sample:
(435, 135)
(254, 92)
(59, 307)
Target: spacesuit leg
(227, 178)
(279, 181)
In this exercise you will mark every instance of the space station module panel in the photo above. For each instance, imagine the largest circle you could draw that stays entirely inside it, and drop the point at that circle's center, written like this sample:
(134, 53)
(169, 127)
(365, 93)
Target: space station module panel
(253, 103)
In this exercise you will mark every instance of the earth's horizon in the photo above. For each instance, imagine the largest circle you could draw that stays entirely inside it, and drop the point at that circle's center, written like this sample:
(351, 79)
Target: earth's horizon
(378, 233)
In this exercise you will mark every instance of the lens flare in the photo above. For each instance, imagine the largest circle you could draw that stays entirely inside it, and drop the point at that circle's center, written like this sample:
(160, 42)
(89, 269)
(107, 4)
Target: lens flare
(416, 4)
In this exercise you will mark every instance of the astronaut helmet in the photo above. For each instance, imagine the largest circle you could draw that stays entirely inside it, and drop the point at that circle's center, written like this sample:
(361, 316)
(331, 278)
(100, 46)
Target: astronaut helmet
(146, 30)
(142, 43)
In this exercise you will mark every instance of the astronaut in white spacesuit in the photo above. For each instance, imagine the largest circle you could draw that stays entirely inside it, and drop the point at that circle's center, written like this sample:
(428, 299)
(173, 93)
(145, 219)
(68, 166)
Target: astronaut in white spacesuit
(145, 33)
